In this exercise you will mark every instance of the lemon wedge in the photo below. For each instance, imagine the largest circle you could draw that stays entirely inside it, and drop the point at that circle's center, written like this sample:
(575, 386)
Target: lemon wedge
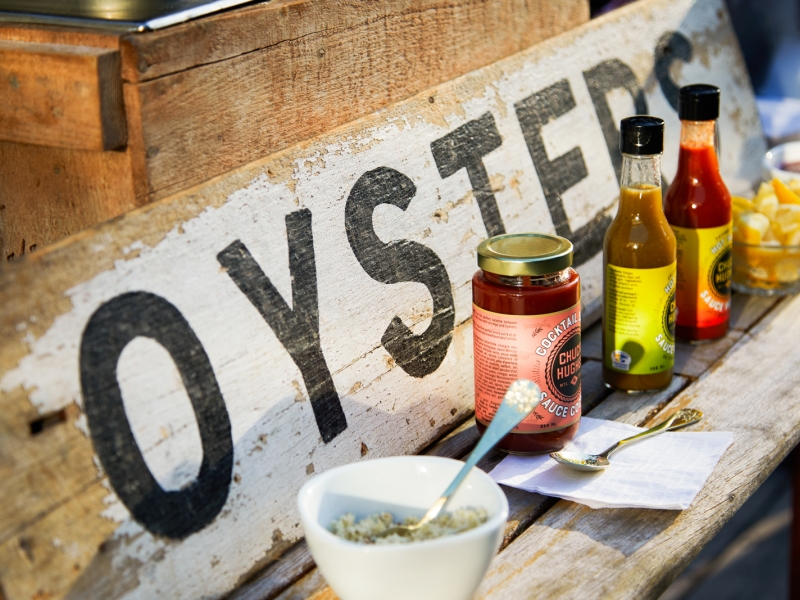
(751, 228)
(784, 193)
(767, 204)
(787, 214)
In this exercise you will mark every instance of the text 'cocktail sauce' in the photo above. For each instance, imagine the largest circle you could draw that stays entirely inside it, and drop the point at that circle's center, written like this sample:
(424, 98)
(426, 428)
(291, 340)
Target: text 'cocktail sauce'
(698, 207)
(527, 324)
(639, 269)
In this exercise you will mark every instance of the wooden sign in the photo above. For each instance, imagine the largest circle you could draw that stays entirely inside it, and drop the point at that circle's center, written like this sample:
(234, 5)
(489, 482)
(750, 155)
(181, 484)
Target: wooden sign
(170, 379)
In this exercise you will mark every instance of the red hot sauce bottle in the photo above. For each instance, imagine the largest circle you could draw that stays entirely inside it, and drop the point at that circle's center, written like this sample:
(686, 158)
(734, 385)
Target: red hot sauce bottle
(698, 207)
(527, 324)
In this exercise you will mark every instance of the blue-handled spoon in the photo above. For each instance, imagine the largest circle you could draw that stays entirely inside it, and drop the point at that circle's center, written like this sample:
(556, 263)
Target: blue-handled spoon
(521, 398)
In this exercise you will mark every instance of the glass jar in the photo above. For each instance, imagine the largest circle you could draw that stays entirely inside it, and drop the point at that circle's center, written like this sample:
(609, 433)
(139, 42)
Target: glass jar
(527, 324)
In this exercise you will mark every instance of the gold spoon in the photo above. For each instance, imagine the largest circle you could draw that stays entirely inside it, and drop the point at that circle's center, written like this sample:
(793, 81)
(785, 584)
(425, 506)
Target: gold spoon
(598, 462)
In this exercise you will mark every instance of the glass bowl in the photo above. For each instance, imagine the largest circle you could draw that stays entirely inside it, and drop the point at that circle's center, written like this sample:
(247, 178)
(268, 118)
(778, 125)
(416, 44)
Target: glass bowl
(766, 269)
(777, 158)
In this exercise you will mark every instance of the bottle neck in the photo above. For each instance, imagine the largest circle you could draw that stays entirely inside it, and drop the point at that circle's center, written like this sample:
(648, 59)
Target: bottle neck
(640, 172)
(698, 134)
(699, 155)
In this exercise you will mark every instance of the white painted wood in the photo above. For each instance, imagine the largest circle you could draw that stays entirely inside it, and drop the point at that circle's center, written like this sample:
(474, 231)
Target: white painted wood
(171, 250)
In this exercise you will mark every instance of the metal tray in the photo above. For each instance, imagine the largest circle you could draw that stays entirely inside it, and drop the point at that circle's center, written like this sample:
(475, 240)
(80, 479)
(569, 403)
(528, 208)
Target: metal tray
(118, 15)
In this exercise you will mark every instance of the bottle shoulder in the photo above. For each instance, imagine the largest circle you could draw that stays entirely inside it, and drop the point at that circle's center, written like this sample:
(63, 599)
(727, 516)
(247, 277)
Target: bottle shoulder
(698, 202)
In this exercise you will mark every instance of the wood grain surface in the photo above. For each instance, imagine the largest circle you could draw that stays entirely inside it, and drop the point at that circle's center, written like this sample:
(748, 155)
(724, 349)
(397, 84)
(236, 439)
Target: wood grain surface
(633, 553)
(194, 362)
(221, 92)
(51, 193)
(488, 31)
(61, 95)
(232, 87)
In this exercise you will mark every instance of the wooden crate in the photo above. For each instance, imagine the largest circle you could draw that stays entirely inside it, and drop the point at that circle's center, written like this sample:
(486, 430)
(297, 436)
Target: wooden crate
(94, 124)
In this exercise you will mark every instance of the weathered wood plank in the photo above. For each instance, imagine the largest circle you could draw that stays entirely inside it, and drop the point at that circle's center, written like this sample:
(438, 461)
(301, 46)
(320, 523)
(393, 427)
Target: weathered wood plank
(50, 34)
(458, 442)
(61, 95)
(747, 310)
(295, 69)
(593, 390)
(48, 543)
(638, 409)
(592, 344)
(43, 206)
(485, 28)
(636, 553)
(311, 587)
(315, 303)
(276, 578)
(49, 193)
(691, 360)
(81, 188)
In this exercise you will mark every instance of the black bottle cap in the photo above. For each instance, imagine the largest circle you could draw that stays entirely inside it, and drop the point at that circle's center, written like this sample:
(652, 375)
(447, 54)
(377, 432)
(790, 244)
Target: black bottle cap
(698, 102)
(641, 135)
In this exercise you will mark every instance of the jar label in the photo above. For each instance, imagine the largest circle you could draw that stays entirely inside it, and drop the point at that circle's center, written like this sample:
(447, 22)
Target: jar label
(639, 322)
(703, 284)
(543, 348)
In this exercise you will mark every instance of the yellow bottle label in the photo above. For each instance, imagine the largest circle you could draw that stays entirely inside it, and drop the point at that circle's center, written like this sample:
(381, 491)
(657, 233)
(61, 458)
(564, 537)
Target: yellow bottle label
(703, 290)
(639, 320)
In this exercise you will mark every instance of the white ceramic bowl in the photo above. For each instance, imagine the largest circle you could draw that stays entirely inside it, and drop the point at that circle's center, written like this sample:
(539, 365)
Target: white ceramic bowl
(447, 568)
(777, 157)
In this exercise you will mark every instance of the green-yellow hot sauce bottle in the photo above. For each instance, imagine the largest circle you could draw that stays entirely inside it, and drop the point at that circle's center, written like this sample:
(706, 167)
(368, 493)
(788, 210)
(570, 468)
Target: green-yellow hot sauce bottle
(639, 262)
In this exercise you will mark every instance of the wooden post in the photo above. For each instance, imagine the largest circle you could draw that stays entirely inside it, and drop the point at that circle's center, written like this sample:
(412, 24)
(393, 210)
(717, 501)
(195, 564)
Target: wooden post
(794, 559)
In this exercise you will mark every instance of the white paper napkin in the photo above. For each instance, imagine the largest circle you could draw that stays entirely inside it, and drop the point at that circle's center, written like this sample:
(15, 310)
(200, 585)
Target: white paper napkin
(665, 471)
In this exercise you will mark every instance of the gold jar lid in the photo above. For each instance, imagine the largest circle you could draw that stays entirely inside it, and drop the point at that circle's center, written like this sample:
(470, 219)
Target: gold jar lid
(522, 254)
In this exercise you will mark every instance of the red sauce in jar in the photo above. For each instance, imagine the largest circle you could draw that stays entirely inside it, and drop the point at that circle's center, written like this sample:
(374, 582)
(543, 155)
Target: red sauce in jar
(526, 324)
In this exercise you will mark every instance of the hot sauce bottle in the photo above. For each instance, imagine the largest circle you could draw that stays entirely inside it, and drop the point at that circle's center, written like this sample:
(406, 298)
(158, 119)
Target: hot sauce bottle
(526, 323)
(698, 207)
(639, 258)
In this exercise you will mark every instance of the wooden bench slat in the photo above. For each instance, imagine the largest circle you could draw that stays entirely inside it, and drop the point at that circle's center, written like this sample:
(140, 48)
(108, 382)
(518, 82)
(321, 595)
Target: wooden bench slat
(632, 553)
(524, 507)
(288, 569)
(690, 360)
(311, 587)
(747, 310)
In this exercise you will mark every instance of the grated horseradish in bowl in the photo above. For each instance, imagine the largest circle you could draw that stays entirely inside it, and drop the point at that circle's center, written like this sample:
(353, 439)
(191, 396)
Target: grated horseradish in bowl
(447, 523)
(449, 567)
